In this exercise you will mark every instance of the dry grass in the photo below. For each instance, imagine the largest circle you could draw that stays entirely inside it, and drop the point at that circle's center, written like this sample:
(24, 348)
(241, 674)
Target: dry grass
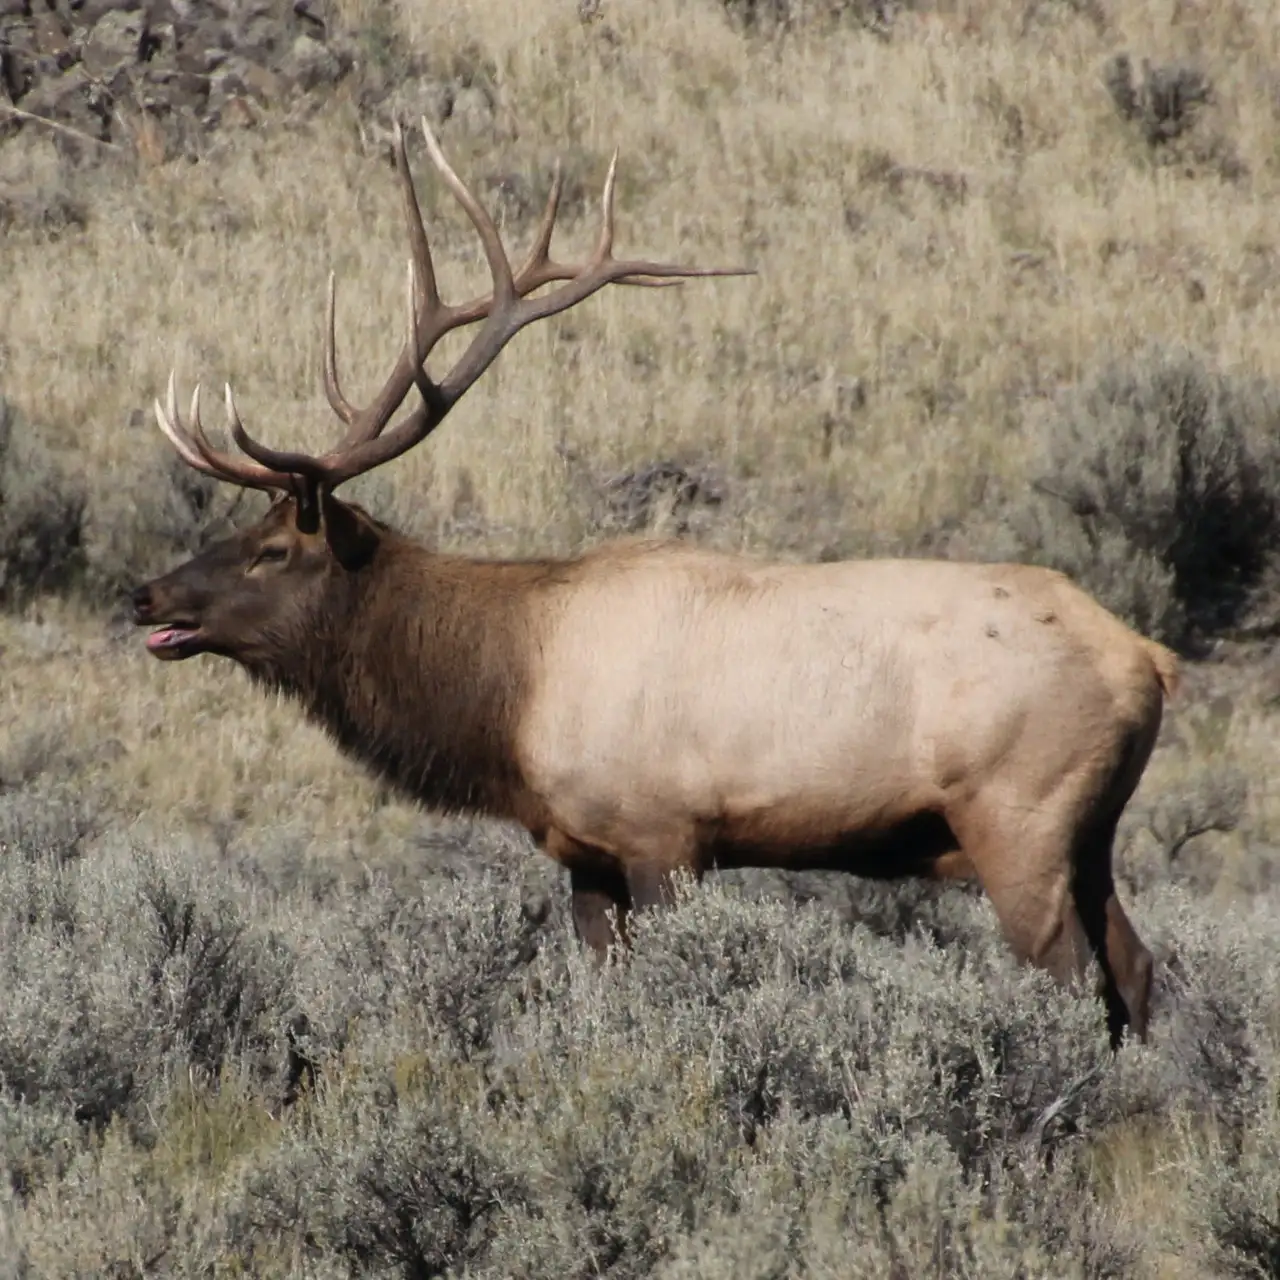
(954, 312)
(955, 315)
(950, 226)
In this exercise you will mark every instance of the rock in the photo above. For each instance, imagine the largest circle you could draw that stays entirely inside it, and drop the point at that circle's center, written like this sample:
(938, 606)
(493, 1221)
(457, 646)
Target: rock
(50, 33)
(311, 64)
(193, 65)
(262, 83)
(174, 90)
(159, 47)
(88, 13)
(237, 112)
(114, 42)
(64, 97)
(262, 37)
(20, 34)
(224, 84)
(17, 71)
(313, 23)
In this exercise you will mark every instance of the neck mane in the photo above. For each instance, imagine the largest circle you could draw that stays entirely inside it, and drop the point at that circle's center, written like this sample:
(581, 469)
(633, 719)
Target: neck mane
(419, 668)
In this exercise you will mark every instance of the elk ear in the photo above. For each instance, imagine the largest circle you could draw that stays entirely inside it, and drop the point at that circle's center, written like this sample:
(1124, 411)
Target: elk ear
(306, 504)
(352, 538)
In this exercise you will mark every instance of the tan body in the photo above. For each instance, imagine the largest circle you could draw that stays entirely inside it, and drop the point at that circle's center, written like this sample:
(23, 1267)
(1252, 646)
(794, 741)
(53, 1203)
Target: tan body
(700, 709)
(649, 709)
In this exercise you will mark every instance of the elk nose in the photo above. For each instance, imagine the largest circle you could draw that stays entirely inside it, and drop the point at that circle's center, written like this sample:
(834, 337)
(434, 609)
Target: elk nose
(140, 598)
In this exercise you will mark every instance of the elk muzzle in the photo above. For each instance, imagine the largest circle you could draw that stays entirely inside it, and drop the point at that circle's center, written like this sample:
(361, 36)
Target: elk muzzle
(175, 636)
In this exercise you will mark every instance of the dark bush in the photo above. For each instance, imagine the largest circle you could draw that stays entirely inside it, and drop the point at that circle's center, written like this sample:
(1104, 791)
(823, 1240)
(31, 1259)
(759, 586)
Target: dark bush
(1164, 103)
(763, 1088)
(1242, 1206)
(1158, 487)
(784, 15)
(101, 535)
(42, 514)
(393, 1173)
(151, 513)
(448, 961)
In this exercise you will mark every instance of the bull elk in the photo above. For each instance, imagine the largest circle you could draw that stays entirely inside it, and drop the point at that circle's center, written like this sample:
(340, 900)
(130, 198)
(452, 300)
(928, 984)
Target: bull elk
(649, 707)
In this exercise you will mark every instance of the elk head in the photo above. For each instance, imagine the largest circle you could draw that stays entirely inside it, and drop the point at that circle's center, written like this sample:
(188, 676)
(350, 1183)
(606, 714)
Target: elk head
(245, 596)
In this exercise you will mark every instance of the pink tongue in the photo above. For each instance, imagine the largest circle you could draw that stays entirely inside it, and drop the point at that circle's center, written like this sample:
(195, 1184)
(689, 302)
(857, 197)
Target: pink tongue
(166, 636)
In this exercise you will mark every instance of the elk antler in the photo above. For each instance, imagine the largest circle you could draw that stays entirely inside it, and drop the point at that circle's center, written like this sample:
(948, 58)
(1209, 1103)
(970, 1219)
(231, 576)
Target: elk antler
(366, 444)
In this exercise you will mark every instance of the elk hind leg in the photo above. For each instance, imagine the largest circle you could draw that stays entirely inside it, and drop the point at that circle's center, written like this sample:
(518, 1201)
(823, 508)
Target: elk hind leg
(1024, 863)
(1052, 891)
(1127, 965)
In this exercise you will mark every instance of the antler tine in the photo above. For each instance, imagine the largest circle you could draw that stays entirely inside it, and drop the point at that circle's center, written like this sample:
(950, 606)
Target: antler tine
(365, 424)
(604, 242)
(434, 319)
(419, 245)
(538, 268)
(504, 286)
(604, 245)
(195, 450)
(508, 309)
(284, 463)
(427, 389)
(430, 313)
(332, 388)
(167, 421)
(196, 427)
(327, 469)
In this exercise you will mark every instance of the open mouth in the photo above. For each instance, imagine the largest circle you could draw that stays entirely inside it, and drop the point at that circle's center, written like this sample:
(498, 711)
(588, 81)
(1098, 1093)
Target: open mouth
(174, 641)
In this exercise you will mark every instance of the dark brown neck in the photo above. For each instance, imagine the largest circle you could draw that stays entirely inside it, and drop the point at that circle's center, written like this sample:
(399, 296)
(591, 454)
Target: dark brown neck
(420, 670)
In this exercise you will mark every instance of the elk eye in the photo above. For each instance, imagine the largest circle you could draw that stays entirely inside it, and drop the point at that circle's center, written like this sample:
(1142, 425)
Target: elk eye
(271, 554)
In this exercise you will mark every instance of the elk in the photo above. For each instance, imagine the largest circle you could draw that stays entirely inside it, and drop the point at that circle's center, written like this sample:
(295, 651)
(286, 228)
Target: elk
(650, 708)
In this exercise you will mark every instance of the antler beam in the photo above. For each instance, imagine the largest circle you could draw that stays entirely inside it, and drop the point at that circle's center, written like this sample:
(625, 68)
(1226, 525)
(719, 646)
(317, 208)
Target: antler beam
(507, 309)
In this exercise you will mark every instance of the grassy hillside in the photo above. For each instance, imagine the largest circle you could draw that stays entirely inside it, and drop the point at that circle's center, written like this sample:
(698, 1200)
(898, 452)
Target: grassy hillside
(1017, 296)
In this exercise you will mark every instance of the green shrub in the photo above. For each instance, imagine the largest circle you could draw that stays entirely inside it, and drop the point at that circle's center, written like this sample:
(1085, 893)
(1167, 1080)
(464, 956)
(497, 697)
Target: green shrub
(121, 969)
(763, 1088)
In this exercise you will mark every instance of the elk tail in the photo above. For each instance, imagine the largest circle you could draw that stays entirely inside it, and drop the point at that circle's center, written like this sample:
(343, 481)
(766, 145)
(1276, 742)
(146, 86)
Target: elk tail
(1166, 664)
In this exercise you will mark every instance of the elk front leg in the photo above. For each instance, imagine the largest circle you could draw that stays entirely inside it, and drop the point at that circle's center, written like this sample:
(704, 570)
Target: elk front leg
(652, 871)
(601, 903)
(600, 897)
(651, 884)
(607, 887)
